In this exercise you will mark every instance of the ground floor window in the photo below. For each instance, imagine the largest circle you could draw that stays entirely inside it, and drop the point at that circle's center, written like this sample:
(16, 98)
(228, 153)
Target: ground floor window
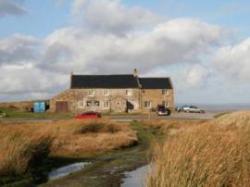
(93, 103)
(165, 103)
(147, 104)
(106, 104)
(80, 104)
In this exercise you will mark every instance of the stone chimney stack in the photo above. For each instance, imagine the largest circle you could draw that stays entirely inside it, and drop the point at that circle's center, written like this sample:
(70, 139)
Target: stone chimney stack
(135, 73)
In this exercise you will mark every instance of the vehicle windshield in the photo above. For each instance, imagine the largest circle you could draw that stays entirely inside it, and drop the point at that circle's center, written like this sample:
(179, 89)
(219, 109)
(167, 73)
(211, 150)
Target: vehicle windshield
(194, 107)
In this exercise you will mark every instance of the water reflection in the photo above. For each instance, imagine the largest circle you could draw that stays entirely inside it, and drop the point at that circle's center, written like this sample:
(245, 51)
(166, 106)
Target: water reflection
(66, 170)
(137, 177)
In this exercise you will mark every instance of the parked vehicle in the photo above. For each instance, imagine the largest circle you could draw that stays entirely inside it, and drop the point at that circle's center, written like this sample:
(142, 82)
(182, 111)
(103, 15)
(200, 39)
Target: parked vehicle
(190, 109)
(88, 115)
(163, 111)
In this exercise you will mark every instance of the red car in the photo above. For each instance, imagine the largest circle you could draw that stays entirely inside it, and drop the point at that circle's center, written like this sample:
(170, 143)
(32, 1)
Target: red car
(89, 115)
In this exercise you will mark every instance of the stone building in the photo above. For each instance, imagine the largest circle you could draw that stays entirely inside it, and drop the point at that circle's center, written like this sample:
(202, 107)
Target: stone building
(114, 93)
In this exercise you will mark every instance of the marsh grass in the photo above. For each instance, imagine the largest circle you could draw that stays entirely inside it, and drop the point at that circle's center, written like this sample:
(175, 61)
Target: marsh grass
(216, 153)
(18, 153)
(23, 146)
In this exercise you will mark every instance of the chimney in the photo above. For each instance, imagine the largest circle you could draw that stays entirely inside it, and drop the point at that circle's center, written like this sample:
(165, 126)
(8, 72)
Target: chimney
(135, 73)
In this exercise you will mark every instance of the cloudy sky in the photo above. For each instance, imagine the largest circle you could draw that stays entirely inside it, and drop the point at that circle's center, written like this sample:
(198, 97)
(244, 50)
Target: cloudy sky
(203, 47)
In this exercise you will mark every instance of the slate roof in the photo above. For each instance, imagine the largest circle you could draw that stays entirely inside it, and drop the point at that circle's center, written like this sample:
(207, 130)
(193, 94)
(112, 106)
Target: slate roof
(119, 81)
(156, 83)
(103, 81)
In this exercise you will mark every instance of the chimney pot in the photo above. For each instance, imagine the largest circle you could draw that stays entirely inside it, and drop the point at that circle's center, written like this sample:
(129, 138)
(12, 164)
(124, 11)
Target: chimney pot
(135, 72)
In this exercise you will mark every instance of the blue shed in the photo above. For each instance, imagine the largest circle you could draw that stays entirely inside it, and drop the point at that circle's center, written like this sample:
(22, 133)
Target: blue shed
(39, 107)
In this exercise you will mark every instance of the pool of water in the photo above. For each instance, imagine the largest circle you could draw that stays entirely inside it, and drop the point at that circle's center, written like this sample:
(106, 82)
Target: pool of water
(137, 177)
(67, 170)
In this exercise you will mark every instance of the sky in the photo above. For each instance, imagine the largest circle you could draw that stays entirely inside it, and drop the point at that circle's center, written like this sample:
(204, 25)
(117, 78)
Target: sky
(204, 46)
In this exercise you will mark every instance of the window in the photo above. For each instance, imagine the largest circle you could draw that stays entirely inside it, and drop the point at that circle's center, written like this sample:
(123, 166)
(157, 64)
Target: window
(96, 103)
(106, 92)
(143, 91)
(164, 91)
(91, 92)
(106, 104)
(147, 104)
(89, 103)
(165, 103)
(93, 103)
(80, 104)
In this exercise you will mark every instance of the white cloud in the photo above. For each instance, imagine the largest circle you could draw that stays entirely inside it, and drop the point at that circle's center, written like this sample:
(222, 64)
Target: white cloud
(19, 49)
(112, 16)
(234, 61)
(28, 79)
(76, 49)
(197, 75)
(11, 7)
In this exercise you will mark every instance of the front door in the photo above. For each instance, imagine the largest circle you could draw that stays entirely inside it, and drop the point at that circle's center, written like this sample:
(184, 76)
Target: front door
(62, 106)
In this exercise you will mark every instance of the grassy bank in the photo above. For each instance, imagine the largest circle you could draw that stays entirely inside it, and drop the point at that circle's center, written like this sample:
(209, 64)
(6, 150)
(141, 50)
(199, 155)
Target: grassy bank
(214, 153)
(25, 147)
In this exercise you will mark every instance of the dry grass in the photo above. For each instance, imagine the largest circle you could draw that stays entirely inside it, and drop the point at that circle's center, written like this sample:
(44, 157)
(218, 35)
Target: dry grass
(76, 138)
(20, 151)
(216, 153)
(172, 127)
(24, 145)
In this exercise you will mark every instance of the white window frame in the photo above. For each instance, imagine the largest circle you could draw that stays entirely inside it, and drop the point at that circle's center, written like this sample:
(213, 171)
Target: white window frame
(93, 103)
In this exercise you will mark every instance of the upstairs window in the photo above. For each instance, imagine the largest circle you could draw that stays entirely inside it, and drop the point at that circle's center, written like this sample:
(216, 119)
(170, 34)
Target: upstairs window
(91, 92)
(164, 91)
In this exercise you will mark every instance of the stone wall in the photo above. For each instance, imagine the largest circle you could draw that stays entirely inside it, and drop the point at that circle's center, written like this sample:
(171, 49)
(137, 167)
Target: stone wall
(107, 100)
(156, 97)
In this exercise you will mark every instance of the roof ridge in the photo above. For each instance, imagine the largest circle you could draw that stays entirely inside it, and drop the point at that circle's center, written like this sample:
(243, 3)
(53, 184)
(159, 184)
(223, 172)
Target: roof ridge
(103, 75)
(154, 77)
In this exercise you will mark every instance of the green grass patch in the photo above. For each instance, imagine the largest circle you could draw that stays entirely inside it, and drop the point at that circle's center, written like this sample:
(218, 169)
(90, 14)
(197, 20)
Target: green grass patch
(16, 114)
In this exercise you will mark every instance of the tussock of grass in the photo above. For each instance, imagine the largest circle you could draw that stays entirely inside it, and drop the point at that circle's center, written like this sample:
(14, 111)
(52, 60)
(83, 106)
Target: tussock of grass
(19, 153)
(216, 153)
(76, 138)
